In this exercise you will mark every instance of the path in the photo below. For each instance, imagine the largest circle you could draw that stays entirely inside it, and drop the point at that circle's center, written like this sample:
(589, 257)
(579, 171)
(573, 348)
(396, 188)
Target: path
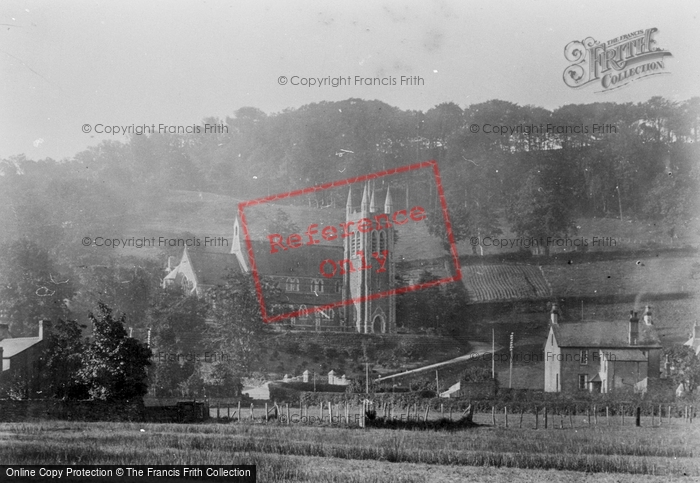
(480, 349)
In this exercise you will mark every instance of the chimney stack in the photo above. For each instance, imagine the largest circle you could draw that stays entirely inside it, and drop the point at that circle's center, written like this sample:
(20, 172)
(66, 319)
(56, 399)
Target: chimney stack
(634, 328)
(647, 316)
(554, 314)
(5, 332)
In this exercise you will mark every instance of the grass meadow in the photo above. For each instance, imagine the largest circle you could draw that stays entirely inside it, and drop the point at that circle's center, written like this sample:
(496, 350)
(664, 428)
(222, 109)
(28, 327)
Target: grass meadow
(349, 454)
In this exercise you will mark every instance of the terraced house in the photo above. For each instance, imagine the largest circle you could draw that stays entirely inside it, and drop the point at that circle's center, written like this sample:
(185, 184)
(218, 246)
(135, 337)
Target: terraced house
(601, 356)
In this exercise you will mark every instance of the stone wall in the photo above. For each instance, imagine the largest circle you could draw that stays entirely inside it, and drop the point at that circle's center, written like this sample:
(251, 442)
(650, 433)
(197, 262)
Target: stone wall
(33, 409)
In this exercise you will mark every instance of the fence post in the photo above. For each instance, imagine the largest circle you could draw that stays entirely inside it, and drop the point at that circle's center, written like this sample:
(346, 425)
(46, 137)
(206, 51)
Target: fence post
(690, 420)
(217, 411)
(493, 415)
(622, 412)
(228, 411)
(545, 417)
(266, 412)
(427, 410)
(239, 412)
(252, 416)
(595, 414)
(330, 413)
(588, 415)
(607, 415)
(669, 413)
(638, 420)
(505, 410)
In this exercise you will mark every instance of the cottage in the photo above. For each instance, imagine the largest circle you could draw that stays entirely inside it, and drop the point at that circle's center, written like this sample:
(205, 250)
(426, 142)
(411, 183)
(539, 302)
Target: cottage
(21, 360)
(600, 356)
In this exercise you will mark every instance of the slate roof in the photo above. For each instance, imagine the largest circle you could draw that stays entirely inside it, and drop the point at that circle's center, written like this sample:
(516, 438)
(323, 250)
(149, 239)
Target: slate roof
(604, 334)
(211, 267)
(628, 355)
(304, 261)
(12, 347)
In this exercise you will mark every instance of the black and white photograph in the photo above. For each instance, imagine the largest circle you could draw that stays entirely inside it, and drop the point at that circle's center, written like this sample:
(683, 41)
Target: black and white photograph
(349, 242)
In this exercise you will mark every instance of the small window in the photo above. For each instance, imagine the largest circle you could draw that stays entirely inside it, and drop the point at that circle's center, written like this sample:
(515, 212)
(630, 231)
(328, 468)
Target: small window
(382, 241)
(584, 357)
(317, 286)
(374, 242)
(582, 381)
(292, 285)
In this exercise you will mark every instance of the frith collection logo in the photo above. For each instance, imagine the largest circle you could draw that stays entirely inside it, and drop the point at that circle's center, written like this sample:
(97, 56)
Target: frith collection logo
(615, 63)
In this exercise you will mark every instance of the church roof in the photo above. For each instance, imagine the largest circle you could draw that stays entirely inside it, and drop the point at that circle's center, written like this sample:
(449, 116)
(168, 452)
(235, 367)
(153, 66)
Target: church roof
(613, 334)
(211, 267)
(299, 262)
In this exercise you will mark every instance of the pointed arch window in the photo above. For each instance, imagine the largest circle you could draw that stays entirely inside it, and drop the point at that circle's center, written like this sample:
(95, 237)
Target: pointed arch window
(383, 241)
(374, 241)
(317, 285)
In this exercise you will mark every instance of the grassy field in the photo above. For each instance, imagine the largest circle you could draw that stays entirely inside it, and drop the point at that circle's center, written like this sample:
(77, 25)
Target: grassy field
(312, 453)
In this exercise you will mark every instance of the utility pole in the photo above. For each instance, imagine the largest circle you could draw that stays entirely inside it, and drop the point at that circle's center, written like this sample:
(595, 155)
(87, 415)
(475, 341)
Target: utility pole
(510, 380)
(314, 381)
(367, 377)
(493, 354)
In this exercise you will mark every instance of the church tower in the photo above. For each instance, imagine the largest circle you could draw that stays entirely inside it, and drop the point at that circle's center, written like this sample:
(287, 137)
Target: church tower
(371, 254)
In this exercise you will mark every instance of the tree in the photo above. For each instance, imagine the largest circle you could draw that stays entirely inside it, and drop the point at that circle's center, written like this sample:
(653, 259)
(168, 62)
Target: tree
(114, 365)
(540, 209)
(178, 323)
(237, 323)
(460, 221)
(31, 288)
(62, 361)
(685, 366)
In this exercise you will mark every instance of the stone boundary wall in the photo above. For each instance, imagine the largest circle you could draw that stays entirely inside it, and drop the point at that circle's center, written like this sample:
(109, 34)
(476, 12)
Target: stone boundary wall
(38, 409)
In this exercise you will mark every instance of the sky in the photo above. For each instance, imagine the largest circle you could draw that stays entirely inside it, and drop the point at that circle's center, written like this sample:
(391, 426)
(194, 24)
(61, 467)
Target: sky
(70, 63)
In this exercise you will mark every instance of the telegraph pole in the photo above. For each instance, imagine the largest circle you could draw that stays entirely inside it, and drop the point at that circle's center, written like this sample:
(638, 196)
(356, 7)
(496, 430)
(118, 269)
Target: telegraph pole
(493, 354)
(510, 381)
(367, 377)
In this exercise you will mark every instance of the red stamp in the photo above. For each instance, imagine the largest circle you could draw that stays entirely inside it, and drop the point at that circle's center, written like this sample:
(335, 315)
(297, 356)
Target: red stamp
(338, 271)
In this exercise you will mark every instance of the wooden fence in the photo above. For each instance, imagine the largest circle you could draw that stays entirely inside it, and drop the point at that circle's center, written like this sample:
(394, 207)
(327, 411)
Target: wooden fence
(540, 416)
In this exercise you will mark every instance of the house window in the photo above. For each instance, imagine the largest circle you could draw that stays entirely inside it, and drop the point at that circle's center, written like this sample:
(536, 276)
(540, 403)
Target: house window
(582, 381)
(337, 286)
(584, 356)
(317, 286)
(303, 311)
(292, 285)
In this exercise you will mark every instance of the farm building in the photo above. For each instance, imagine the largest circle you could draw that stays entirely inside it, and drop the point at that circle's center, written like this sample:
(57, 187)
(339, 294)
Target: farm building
(601, 356)
(21, 360)
(313, 275)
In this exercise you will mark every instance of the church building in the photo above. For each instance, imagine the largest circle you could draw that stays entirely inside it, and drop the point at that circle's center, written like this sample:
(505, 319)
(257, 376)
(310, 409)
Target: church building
(369, 269)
